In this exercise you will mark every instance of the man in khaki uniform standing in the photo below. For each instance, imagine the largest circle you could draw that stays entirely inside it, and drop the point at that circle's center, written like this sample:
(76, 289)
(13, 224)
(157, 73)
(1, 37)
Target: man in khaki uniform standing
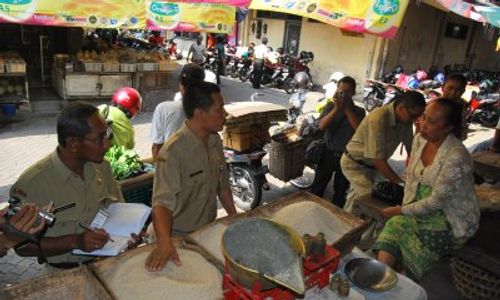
(374, 142)
(75, 172)
(191, 173)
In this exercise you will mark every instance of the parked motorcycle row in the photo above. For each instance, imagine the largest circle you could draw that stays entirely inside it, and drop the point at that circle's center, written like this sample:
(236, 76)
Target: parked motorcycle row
(483, 98)
(279, 69)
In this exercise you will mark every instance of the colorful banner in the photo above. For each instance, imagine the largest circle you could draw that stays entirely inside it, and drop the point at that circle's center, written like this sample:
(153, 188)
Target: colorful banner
(378, 17)
(184, 16)
(240, 3)
(81, 13)
(477, 12)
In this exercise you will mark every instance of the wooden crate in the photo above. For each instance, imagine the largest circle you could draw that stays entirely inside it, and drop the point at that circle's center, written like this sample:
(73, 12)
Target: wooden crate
(78, 283)
(344, 244)
(111, 67)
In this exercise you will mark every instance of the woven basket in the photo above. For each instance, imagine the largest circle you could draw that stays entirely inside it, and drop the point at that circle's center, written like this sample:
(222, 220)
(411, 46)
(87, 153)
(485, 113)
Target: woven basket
(138, 189)
(473, 282)
(287, 160)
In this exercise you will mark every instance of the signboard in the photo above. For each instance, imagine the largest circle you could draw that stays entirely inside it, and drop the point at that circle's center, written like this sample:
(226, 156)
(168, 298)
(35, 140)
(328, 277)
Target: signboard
(378, 17)
(189, 16)
(81, 13)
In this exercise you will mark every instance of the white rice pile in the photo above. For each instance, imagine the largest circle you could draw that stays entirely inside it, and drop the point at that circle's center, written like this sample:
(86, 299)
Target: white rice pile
(211, 239)
(309, 217)
(196, 279)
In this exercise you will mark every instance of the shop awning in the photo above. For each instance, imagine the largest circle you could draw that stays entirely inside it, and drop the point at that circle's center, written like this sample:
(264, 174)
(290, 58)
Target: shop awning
(181, 15)
(378, 17)
(480, 11)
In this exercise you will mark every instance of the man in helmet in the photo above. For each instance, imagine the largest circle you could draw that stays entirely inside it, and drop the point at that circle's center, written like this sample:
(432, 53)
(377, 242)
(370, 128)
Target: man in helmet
(260, 53)
(126, 103)
(169, 116)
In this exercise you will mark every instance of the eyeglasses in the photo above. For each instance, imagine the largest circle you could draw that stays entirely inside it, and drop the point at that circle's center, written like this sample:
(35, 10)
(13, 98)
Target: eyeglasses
(107, 136)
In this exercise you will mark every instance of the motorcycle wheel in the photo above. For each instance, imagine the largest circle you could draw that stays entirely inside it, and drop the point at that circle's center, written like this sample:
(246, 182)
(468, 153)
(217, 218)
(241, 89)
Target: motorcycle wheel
(371, 101)
(305, 181)
(289, 86)
(234, 72)
(244, 74)
(246, 187)
(489, 119)
(228, 70)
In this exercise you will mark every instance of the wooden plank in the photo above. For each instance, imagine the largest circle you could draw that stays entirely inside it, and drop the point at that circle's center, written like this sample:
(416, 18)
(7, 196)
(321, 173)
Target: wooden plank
(78, 283)
(487, 164)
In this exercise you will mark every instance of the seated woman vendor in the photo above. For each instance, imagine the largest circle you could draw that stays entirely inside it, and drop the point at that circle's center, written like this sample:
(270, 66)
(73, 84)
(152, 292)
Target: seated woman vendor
(440, 211)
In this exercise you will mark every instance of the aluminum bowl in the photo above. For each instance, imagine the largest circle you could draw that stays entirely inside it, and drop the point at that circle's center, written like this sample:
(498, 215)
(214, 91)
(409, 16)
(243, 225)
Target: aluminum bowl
(370, 274)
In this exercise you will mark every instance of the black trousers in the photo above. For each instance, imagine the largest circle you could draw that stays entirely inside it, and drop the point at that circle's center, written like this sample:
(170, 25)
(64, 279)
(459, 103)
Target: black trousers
(330, 163)
(220, 69)
(258, 66)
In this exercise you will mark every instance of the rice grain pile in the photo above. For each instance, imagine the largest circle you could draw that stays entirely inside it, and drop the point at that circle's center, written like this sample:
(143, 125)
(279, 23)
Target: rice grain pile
(211, 239)
(309, 217)
(196, 279)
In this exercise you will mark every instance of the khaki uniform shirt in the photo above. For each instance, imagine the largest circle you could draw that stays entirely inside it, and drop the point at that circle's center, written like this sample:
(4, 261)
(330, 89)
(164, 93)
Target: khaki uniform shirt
(378, 135)
(188, 178)
(50, 180)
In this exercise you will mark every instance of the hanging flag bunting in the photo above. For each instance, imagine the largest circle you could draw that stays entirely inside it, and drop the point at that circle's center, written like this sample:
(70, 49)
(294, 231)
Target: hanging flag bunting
(378, 17)
(477, 12)
(189, 16)
(81, 13)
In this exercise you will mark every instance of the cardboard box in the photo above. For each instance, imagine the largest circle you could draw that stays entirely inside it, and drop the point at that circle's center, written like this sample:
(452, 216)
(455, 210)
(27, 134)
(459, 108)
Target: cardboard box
(237, 141)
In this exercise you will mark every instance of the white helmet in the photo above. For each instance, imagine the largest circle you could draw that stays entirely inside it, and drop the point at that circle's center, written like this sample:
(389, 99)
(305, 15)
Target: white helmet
(336, 76)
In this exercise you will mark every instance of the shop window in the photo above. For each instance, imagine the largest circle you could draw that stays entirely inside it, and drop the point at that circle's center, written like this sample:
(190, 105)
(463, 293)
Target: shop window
(456, 31)
(276, 15)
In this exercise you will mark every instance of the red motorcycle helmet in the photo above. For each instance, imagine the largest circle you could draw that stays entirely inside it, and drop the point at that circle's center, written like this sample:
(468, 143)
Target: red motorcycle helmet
(129, 100)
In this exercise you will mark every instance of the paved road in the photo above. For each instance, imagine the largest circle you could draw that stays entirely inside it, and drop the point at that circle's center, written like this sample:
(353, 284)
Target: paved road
(24, 143)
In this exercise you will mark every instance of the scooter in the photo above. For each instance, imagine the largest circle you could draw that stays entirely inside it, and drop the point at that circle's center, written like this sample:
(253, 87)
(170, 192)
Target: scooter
(483, 111)
(247, 177)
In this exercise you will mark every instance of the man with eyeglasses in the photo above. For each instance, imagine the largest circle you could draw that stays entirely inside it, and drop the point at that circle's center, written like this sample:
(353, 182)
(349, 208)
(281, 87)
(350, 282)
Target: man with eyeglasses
(75, 172)
(374, 142)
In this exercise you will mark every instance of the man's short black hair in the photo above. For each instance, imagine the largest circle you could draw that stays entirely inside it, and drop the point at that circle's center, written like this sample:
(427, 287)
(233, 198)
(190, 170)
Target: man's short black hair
(411, 100)
(460, 78)
(72, 121)
(264, 40)
(190, 74)
(350, 81)
(198, 95)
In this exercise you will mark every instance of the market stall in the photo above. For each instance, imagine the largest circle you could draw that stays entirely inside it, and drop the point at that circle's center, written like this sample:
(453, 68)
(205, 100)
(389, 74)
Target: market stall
(91, 75)
(203, 274)
(14, 90)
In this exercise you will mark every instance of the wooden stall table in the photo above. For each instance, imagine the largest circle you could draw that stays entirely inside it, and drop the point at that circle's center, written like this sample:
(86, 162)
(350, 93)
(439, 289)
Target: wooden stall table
(487, 164)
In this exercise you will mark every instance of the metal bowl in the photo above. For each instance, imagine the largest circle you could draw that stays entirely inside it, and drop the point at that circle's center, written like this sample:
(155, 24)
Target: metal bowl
(370, 274)
(261, 250)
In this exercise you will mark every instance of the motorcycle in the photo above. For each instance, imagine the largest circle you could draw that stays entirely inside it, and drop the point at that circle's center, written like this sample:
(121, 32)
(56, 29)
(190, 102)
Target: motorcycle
(211, 63)
(246, 69)
(298, 65)
(377, 93)
(247, 177)
(483, 111)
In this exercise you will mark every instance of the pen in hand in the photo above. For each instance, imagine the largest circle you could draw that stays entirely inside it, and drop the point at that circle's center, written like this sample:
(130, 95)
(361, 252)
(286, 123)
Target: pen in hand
(87, 227)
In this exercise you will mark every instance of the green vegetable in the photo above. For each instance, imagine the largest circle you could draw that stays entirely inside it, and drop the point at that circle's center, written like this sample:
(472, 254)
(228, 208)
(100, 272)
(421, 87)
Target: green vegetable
(124, 162)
